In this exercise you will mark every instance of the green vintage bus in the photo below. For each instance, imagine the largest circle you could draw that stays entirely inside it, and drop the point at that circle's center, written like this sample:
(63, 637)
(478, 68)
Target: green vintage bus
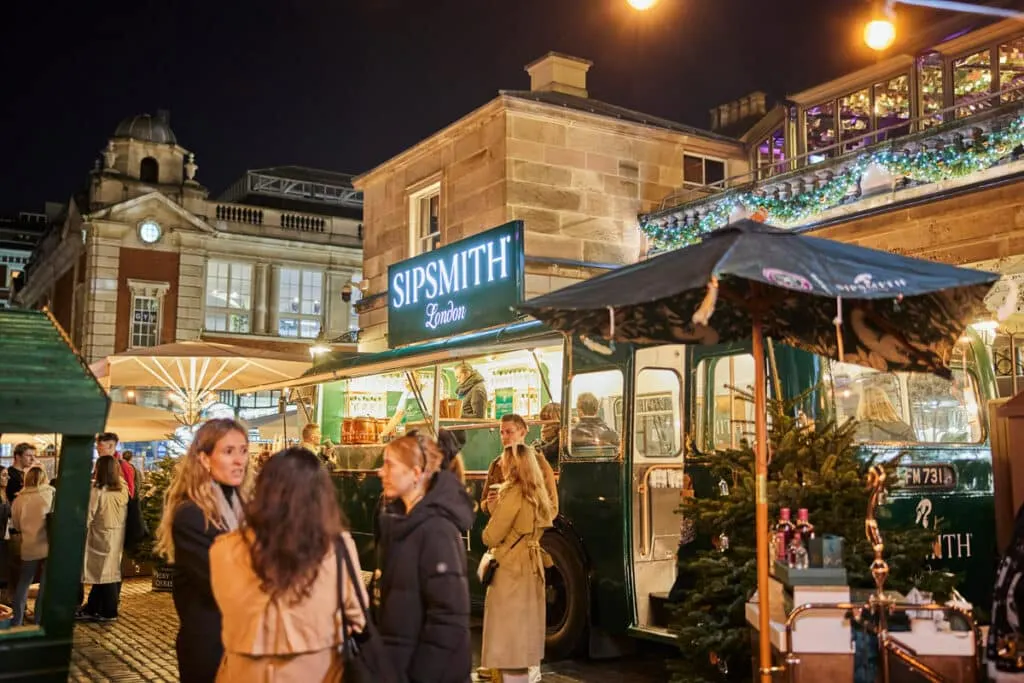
(615, 540)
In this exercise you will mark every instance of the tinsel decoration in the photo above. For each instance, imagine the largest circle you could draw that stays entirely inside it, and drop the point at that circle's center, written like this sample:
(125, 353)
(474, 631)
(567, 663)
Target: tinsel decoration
(922, 166)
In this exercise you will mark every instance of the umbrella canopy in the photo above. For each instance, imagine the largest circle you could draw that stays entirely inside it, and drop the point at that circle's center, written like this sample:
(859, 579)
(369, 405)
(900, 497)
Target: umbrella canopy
(840, 300)
(129, 422)
(895, 312)
(194, 371)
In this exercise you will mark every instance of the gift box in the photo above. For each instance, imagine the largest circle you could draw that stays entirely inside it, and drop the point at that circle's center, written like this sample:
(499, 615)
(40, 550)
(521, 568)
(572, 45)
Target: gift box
(826, 552)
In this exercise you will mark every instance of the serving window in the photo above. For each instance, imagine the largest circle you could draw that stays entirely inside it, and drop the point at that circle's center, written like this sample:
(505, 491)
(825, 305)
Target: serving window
(907, 407)
(595, 425)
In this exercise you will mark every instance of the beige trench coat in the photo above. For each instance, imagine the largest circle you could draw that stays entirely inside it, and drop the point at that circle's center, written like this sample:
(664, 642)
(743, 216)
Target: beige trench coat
(104, 539)
(514, 619)
(274, 640)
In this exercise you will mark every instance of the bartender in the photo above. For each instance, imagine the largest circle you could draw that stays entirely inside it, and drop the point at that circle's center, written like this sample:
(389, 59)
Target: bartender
(473, 392)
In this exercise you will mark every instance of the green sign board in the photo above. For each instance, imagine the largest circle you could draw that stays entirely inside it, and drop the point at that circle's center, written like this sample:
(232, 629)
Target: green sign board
(469, 285)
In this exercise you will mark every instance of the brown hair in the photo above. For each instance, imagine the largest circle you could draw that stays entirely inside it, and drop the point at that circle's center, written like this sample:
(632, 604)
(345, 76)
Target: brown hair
(417, 450)
(308, 429)
(291, 523)
(587, 404)
(451, 450)
(551, 411)
(108, 473)
(515, 419)
(36, 476)
(191, 482)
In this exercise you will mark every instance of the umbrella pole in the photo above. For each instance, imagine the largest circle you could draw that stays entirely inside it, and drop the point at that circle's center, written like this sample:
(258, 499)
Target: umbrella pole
(761, 509)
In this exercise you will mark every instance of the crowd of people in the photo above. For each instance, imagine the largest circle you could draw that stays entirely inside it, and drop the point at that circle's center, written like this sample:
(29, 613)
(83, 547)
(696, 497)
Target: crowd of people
(264, 585)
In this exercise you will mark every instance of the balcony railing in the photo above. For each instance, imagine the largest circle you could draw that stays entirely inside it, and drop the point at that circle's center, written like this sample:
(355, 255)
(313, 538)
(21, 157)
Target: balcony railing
(807, 187)
(285, 221)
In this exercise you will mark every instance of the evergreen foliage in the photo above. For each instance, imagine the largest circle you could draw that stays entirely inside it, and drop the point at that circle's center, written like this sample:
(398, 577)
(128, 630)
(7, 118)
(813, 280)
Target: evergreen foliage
(152, 504)
(813, 466)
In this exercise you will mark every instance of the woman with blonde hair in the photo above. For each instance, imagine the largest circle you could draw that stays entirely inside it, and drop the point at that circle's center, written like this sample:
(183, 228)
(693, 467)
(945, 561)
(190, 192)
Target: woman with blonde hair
(878, 419)
(421, 592)
(514, 608)
(276, 579)
(203, 501)
(28, 516)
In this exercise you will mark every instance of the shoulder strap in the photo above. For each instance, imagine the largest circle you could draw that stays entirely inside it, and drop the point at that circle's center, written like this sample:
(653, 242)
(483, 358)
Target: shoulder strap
(343, 559)
(339, 548)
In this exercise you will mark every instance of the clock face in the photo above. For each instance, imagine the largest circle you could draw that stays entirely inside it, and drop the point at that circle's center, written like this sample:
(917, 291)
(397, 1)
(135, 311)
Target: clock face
(149, 231)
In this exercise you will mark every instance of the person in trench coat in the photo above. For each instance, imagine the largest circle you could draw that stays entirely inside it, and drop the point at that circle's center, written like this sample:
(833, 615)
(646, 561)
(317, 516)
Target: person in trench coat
(514, 617)
(104, 540)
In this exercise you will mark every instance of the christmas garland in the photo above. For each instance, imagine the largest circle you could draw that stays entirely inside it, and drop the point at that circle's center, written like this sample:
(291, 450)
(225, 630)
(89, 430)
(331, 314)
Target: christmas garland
(923, 166)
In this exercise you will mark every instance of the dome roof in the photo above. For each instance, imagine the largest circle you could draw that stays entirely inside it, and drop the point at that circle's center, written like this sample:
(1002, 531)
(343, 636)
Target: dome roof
(147, 128)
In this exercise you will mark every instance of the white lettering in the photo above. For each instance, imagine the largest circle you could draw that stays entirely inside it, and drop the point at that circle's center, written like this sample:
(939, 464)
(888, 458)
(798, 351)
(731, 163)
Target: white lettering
(398, 300)
(502, 259)
(431, 275)
(417, 283)
(438, 317)
(449, 278)
(961, 550)
(475, 253)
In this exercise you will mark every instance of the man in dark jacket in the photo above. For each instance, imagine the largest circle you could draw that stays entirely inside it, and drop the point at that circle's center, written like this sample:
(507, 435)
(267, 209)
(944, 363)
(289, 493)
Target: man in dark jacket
(472, 390)
(24, 458)
(423, 597)
(591, 431)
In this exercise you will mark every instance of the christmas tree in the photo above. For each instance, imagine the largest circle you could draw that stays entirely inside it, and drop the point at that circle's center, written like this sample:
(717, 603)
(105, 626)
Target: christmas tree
(813, 466)
(152, 504)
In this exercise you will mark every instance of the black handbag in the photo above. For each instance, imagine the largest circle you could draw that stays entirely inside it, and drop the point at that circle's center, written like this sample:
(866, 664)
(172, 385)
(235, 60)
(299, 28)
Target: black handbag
(363, 653)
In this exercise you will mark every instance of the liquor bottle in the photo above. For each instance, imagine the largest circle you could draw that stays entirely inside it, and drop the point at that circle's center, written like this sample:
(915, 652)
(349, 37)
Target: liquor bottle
(784, 532)
(796, 557)
(804, 526)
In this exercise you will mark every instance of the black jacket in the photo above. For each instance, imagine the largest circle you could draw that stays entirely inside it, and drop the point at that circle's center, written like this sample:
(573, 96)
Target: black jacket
(423, 615)
(198, 644)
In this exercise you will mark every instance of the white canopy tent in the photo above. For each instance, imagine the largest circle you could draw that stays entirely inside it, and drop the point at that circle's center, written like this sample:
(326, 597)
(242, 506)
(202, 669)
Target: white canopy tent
(129, 422)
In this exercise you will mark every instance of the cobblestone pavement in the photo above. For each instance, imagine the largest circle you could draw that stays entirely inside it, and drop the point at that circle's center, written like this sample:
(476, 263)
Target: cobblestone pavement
(139, 646)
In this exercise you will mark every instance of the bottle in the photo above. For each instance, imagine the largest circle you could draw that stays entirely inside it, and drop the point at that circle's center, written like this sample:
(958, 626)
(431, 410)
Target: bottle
(796, 557)
(784, 532)
(804, 526)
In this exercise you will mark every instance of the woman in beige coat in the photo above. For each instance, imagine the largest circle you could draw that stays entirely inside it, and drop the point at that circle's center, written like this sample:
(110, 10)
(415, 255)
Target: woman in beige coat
(104, 540)
(514, 619)
(275, 579)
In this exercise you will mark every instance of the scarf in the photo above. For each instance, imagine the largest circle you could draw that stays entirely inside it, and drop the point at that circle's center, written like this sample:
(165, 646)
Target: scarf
(230, 514)
(467, 384)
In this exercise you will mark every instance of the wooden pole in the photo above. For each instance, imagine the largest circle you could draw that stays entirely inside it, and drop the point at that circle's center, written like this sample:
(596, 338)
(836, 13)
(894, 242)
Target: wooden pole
(761, 508)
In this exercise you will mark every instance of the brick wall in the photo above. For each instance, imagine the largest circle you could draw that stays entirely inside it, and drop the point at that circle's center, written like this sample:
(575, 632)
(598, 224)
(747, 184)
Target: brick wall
(152, 266)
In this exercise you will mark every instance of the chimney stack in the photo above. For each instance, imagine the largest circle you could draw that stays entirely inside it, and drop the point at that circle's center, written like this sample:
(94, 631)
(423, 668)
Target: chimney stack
(723, 116)
(556, 72)
(714, 118)
(758, 107)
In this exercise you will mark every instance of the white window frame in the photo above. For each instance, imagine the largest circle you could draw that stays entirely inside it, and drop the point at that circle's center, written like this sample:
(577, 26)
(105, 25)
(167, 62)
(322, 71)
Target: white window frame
(225, 312)
(299, 317)
(704, 170)
(153, 291)
(417, 240)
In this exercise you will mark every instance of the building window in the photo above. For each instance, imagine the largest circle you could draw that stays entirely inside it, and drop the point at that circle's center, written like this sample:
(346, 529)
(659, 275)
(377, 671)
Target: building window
(929, 74)
(228, 297)
(771, 154)
(820, 128)
(972, 83)
(1011, 70)
(300, 300)
(149, 170)
(703, 171)
(424, 220)
(145, 321)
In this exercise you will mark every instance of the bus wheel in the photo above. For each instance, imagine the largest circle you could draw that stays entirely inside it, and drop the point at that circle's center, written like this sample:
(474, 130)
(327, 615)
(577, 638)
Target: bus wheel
(565, 597)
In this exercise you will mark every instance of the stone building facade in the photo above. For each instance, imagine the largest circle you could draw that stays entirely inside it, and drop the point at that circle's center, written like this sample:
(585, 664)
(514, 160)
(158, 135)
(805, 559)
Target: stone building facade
(143, 256)
(576, 170)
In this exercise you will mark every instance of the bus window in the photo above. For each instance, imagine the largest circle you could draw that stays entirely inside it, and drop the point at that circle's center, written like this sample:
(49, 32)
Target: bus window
(730, 412)
(907, 407)
(594, 399)
(657, 418)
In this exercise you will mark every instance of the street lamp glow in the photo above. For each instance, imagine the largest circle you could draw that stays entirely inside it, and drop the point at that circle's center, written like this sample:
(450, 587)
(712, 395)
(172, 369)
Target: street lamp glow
(642, 4)
(879, 34)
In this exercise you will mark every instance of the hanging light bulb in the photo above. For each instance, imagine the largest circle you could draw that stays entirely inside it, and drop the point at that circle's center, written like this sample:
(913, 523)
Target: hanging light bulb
(641, 4)
(880, 32)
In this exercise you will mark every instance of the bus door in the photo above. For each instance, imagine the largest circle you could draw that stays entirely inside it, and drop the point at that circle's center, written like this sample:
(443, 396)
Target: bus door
(657, 480)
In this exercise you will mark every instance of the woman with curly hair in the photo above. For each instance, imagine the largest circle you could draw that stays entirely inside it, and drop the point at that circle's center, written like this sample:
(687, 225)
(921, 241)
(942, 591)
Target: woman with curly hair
(202, 502)
(276, 578)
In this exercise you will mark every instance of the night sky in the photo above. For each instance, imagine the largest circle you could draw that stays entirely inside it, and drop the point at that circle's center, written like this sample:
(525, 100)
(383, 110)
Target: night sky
(345, 84)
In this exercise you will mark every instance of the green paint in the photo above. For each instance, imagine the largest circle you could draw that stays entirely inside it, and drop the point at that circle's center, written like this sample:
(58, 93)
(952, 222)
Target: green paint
(469, 285)
(334, 410)
(504, 402)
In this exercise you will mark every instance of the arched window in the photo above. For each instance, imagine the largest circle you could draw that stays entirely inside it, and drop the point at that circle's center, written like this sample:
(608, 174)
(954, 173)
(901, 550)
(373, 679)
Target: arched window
(149, 170)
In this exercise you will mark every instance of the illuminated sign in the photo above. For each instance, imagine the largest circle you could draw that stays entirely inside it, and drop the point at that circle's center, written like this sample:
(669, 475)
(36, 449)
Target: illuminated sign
(469, 285)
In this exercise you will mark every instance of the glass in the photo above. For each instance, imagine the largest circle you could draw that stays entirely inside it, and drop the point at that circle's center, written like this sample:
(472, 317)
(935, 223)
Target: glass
(217, 284)
(731, 410)
(855, 118)
(820, 127)
(693, 169)
(429, 223)
(312, 289)
(657, 420)
(930, 75)
(714, 172)
(771, 154)
(287, 327)
(596, 400)
(288, 290)
(1011, 69)
(892, 107)
(907, 407)
(972, 83)
(145, 320)
(309, 329)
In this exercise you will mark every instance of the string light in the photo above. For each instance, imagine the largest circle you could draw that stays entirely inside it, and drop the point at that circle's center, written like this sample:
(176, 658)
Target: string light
(922, 166)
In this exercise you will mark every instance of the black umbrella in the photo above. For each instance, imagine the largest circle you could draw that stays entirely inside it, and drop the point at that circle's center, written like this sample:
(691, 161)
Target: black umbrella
(750, 280)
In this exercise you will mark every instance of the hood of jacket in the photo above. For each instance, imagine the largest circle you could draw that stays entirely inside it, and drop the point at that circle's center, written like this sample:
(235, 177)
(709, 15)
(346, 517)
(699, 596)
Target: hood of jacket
(446, 498)
(467, 385)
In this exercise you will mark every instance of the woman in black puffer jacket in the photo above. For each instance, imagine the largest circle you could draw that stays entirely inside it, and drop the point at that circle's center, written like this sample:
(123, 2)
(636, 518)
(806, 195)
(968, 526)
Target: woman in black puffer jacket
(422, 593)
